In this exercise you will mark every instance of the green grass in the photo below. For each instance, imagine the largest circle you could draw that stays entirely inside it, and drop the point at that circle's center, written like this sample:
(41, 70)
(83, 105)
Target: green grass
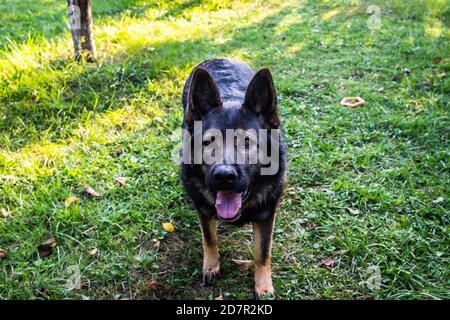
(368, 187)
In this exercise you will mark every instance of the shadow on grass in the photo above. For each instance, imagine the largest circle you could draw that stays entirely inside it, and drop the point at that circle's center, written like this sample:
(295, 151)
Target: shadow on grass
(113, 83)
(25, 19)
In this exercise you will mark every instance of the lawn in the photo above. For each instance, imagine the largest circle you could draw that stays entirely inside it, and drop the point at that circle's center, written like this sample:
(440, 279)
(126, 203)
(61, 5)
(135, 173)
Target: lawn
(365, 214)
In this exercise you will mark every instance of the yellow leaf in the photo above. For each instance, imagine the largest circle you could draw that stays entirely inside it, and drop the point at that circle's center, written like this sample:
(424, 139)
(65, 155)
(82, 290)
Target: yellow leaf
(168, 227)
(70, 200)
(5, 213)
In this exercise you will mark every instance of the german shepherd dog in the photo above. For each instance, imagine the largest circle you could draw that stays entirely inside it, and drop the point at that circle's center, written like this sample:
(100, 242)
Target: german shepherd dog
(222, 94)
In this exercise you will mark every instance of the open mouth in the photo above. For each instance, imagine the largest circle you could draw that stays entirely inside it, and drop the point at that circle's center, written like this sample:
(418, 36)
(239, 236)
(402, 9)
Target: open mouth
(228, 204)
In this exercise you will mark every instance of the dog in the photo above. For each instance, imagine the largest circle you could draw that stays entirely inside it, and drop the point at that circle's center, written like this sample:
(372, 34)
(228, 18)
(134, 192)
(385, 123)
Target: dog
(220, 95)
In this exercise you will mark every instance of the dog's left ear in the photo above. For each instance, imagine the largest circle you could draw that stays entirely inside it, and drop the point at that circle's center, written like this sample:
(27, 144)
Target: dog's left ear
(261, 98)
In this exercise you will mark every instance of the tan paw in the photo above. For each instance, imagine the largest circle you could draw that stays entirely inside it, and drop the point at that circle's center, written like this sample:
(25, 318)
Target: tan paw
(210, 272)
(264, 291)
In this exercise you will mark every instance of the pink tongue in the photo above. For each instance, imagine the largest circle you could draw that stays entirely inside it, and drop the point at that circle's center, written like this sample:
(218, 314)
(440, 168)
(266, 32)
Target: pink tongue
(228, 204)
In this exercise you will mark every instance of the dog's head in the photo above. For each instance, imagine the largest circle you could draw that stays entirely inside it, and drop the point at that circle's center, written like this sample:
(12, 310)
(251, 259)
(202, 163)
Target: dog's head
(229, 137)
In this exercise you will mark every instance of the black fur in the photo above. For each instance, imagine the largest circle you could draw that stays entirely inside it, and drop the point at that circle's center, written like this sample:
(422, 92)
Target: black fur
(232, 79)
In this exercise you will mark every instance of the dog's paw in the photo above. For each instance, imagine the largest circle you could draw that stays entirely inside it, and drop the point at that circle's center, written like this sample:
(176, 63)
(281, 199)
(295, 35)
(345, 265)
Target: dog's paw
(210, 272)
(264, 292)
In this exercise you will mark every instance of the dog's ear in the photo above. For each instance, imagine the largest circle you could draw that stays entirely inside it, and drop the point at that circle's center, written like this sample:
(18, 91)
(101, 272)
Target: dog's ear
(261, 98)
(203, 96)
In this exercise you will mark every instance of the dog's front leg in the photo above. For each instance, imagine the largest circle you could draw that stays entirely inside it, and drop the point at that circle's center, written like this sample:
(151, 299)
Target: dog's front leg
(211, 263)
(262, 236)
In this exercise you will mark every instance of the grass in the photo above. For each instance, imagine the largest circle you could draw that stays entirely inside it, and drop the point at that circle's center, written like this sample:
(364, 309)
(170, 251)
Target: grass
(368, 187)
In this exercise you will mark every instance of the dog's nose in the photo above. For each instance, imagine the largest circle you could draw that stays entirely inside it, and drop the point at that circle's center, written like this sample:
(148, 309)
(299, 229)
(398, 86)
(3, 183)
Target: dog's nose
(224, 173)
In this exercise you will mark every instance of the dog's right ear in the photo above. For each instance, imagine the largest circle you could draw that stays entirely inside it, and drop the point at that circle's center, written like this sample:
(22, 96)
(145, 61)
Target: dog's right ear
(203, 96)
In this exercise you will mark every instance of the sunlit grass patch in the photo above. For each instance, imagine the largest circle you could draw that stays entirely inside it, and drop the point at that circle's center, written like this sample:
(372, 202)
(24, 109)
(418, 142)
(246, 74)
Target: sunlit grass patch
(367, 187)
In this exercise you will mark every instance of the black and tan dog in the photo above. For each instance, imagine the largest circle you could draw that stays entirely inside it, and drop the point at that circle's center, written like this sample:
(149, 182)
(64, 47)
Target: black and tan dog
(223, 94)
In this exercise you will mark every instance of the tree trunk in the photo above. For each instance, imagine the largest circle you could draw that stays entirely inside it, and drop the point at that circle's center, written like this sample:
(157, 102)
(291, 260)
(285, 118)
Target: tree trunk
(80, 19)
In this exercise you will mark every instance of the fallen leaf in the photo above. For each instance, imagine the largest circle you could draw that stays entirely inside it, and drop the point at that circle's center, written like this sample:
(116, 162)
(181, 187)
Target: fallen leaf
(51, 241)
(219, 297)
(91, 192)
(328, 262)
(436, 60)
(168, 227)
(242, 264)
(70, 200)
(121, 181)
(155, 285)
(93, 252)
(3, 253)
(156, 243)
(5, 213)
(381, 90)
(117, 152)
(46, 249)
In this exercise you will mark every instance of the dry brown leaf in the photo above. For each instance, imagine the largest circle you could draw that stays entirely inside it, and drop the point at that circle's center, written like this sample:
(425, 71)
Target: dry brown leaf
(155, 285)
(51, 242)
(243, 264)
(328, 262)
(70, 200)
(46, 249)
(3, 253)
(90, 192)
(156, 243)
(93, 252)
(117, 152)
(121, 181)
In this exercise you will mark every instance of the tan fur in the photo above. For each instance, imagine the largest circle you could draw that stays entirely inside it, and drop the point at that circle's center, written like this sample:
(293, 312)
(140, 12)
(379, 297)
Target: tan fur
(263, 274)
(211, 263)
